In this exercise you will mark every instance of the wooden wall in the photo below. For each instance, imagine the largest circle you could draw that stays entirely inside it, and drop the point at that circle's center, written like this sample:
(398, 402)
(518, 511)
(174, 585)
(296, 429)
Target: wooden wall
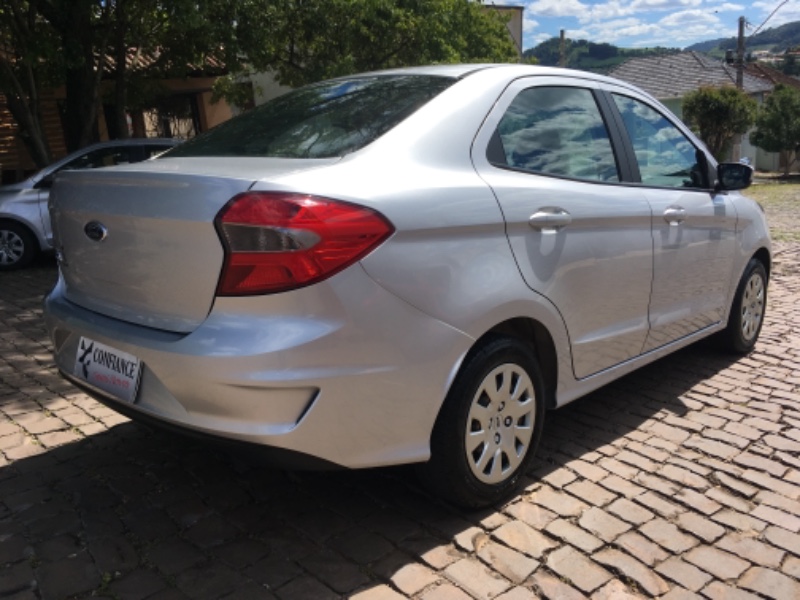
(15, 161)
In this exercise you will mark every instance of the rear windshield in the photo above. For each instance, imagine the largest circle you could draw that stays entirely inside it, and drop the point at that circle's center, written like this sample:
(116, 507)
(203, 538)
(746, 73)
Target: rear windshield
(323, 120)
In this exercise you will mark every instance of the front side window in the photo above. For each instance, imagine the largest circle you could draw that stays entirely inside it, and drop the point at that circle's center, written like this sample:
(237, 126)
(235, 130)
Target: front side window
(665, 155)
(323, 120)
(557, 131)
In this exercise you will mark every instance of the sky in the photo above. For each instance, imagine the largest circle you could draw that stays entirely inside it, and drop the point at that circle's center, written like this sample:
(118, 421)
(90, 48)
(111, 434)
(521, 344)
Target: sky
(642, 23)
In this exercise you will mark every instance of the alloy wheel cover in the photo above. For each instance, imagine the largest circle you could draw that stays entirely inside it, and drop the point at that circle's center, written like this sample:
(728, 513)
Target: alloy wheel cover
(12, 247)
(500, 423)
(752, 306)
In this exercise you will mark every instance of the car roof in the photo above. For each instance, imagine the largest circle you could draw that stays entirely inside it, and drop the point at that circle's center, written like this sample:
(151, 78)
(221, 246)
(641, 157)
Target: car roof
(502, 70)
(129, 142)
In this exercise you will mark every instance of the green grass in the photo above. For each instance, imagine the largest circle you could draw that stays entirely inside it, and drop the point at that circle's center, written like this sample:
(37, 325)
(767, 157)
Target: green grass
(781, 202)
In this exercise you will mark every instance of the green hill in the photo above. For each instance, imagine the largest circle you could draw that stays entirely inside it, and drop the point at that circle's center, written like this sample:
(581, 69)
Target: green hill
(589, 56)
(600, 58)
(776, 39)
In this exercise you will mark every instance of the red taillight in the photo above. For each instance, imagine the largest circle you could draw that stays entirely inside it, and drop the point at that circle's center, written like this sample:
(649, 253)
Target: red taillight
(277, 241)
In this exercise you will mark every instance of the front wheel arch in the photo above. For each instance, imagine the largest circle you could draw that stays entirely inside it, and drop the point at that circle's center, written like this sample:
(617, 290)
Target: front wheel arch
(748, 307)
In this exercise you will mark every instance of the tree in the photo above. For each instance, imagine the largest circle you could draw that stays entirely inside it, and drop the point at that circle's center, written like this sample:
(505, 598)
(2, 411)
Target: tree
(78, 43)
(718, 114)
(778, 125)
(602, 51)
(27, 57)
(303, 42)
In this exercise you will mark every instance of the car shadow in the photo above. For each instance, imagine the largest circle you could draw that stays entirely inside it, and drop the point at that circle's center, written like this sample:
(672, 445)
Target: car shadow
(139, 506)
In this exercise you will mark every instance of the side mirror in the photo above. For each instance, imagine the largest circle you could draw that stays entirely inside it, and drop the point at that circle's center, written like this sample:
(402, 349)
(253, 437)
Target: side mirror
(734, 176)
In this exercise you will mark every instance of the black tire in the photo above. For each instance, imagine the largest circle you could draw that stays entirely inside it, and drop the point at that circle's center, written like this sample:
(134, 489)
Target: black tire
(505, 435)
(18, 246)
(747, 311)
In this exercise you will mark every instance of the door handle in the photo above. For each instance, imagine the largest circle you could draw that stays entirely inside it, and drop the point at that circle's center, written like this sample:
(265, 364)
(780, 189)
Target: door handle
(675, 215)
(550, 219)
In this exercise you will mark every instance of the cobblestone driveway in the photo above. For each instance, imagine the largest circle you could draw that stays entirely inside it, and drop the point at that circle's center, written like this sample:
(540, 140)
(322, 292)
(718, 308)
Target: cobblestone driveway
(679, 481)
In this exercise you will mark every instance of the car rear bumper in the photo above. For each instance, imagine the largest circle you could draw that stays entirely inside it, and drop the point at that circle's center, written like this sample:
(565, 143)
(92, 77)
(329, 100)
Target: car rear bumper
(342, 371)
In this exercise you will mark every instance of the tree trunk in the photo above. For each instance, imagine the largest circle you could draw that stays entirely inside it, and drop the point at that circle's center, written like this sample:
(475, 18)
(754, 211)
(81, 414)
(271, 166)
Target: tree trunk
(24, 106)
(81, 36)
(30, 131)
(120, 73)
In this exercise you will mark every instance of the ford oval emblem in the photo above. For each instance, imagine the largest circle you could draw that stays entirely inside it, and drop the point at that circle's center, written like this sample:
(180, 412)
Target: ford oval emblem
(95, 231)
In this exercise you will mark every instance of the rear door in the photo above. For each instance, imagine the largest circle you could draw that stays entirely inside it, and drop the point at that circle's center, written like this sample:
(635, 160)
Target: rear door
(693, 227)
(580, 237)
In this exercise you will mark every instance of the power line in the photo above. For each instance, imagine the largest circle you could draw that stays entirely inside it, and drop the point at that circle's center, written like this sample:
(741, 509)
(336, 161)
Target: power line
(768, 18)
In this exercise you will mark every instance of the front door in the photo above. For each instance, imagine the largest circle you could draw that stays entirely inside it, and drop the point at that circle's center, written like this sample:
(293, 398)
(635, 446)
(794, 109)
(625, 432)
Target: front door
(693, 227)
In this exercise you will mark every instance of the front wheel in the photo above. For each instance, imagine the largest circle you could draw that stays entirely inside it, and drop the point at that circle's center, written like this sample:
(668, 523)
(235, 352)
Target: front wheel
(18, 246)
(747, 311)
(489, 426)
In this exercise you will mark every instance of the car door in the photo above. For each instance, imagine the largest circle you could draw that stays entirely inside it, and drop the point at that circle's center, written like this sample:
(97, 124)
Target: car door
(693, 227)
(580, 237)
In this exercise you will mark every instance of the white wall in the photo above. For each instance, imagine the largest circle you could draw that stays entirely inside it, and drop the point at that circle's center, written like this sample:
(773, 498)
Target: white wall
(266, 88)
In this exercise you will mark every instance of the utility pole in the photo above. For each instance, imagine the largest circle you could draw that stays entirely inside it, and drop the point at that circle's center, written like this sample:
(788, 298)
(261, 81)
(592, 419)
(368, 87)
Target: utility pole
(740, 55)
(562, 50)
(736, 151)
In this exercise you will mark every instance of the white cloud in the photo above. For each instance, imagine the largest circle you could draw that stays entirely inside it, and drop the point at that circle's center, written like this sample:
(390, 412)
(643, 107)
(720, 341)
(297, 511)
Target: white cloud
(663, 4)
(671, 23)
(688, 19)
(608, 10)
(540, 37)
(557, 8)
(578, 34)
(612, 31)
(727, 6)
(528, 24)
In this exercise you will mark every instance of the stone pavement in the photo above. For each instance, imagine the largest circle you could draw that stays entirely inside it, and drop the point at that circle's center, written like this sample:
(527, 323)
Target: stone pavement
(679, 481)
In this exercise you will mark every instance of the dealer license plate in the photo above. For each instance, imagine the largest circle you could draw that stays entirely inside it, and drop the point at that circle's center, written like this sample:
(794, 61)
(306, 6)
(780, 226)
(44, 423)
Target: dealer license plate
(107, 368)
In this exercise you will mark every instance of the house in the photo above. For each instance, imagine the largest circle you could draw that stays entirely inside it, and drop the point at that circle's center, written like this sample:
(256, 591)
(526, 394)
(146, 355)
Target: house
(670, 77)
(771, 74)
(513, 16)
(182, 108)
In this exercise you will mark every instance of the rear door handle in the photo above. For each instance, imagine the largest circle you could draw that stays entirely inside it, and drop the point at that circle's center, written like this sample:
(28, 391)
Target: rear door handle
(550, 219)
(675, 215)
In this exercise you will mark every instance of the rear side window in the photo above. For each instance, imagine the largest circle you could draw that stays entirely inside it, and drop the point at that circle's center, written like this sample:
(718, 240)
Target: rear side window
(328, 119)
(104, 157)
(556, 131)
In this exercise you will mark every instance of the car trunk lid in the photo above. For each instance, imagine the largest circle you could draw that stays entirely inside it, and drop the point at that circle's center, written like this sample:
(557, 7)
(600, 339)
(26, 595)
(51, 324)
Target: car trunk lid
(138, 243)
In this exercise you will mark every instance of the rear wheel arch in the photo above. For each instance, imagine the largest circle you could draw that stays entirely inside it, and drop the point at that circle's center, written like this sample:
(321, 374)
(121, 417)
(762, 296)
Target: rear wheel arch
(538, 338)
(489, 426)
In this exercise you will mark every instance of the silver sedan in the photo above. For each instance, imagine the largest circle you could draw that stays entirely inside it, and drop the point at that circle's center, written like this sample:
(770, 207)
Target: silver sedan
(408, 266)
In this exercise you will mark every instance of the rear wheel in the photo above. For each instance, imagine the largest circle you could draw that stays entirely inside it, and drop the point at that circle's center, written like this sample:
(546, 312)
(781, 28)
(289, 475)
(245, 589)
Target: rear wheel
(489, 426)
(18, 246)
(747, 312)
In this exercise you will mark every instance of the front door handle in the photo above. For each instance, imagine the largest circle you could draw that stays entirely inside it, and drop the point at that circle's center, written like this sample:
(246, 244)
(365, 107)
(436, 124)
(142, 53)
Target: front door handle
(675, 215)
(550, 219)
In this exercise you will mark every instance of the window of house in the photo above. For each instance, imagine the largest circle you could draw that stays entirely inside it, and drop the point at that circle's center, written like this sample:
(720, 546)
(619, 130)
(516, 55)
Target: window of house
(556, 131)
